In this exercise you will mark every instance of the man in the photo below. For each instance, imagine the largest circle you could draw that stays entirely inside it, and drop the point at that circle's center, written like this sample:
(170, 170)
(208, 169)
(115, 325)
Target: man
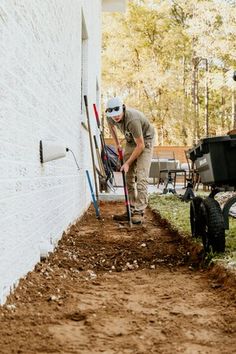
(139, 135)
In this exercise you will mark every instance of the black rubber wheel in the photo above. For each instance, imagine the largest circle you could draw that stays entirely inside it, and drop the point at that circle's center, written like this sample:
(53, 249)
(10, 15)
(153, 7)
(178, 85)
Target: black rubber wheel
(195, 220)
(212, 226)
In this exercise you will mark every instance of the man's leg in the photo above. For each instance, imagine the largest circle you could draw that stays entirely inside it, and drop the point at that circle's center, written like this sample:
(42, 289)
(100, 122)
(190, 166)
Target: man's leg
(143, 166)
(137, 180)
(131, 178)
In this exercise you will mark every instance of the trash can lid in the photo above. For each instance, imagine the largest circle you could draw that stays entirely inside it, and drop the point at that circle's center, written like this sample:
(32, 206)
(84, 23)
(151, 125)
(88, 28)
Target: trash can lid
(197, 150)
(214, 139)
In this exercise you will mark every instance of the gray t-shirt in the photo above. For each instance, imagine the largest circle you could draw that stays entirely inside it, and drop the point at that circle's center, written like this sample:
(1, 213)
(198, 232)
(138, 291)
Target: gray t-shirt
(133, 125)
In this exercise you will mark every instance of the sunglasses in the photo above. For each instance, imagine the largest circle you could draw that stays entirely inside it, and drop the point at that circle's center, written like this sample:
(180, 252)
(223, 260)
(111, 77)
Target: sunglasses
(116, 109)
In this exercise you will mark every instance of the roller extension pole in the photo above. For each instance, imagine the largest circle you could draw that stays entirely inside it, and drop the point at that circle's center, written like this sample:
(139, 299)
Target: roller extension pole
(127, 203)
(91, 146)
(96, 207)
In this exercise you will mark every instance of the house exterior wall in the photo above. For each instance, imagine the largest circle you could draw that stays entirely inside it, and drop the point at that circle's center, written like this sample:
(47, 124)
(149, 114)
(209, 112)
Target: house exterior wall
(40, 99)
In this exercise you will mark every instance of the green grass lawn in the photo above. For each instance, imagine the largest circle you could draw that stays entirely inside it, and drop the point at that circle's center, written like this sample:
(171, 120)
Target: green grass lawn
(176, 213)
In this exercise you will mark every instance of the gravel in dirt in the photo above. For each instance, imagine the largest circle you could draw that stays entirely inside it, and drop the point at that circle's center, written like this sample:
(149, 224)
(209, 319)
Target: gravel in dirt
(109, 288)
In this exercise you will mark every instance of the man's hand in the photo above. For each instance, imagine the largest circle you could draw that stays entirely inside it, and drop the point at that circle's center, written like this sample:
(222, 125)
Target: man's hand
(135, 154)
(125, 167)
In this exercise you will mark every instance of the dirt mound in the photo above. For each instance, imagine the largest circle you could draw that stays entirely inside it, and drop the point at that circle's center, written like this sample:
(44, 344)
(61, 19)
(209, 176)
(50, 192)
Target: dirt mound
(114, 289)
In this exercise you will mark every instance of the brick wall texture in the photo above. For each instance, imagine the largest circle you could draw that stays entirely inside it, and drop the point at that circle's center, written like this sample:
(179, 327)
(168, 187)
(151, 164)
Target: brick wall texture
(40, 99)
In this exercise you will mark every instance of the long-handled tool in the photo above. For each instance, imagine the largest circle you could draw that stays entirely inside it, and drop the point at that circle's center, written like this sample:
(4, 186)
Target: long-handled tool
(91, 146)
(93, 196)
(127, 203)
(99, 159)
(98, 124)
(102, 176)
(108, 168)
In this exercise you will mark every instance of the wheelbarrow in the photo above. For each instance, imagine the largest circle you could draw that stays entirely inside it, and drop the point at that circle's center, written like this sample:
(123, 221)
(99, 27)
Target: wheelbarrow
(215, 161)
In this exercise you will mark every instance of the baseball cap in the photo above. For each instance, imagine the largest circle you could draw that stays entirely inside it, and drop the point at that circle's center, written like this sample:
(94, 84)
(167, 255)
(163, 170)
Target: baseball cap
(114, 107)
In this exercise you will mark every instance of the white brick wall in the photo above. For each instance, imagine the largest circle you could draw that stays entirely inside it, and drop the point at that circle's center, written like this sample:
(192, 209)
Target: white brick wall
(40, 56)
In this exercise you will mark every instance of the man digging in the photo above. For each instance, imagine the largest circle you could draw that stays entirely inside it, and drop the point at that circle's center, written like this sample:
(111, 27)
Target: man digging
(139, 136)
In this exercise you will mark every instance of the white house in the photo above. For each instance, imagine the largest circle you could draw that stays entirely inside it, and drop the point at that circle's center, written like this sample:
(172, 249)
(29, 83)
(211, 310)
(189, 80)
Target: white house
(50, 59)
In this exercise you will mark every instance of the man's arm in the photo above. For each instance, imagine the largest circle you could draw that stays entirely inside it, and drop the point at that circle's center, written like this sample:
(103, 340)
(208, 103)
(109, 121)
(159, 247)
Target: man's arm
(135, 154)
(114, 135)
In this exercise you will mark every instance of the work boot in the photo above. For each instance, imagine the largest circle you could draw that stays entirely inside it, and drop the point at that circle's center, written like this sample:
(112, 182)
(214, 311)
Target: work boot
(124, 216)
(137, 218)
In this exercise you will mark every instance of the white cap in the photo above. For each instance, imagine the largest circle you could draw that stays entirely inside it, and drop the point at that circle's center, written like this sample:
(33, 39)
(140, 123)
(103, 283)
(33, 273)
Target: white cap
(115, 106)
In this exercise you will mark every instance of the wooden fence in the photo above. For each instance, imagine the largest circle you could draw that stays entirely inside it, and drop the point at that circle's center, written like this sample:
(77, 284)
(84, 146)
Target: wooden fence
(179, 151)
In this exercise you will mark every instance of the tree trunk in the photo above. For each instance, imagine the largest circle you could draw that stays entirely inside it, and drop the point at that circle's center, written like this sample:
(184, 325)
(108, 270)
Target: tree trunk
(206, 100)
(233, 109)
(195, 98)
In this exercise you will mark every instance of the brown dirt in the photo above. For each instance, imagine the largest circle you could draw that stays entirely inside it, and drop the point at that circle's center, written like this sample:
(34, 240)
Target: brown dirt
(111, 289)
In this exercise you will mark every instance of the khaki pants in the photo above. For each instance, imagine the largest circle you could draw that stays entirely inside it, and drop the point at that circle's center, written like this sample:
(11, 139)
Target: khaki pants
(137, 177)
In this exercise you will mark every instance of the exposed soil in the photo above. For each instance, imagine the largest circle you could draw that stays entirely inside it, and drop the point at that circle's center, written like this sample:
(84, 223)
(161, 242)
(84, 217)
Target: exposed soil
(111, 289)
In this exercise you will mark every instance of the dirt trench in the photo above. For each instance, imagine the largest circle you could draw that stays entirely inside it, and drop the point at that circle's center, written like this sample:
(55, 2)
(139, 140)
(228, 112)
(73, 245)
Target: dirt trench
(112, 289)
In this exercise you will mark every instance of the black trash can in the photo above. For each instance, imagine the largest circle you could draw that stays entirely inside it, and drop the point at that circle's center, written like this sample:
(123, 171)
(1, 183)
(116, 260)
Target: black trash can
(215, 160)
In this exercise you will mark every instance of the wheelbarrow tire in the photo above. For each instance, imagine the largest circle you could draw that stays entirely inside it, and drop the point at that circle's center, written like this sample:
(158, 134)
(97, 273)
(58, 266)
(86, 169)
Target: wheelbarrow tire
(195, 221)
(213, 229)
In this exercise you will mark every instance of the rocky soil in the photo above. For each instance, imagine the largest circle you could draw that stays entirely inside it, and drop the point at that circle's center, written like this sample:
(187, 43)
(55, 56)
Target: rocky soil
(110, 289)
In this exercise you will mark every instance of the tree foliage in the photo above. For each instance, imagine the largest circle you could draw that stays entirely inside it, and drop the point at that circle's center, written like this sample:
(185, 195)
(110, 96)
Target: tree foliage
(155, 56)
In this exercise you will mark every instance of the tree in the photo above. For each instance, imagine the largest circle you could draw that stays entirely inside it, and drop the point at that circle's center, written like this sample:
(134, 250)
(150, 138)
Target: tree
(153, 56)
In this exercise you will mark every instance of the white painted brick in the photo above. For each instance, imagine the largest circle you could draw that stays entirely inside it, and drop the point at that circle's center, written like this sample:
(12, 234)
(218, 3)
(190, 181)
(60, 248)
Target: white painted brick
(40, 58)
